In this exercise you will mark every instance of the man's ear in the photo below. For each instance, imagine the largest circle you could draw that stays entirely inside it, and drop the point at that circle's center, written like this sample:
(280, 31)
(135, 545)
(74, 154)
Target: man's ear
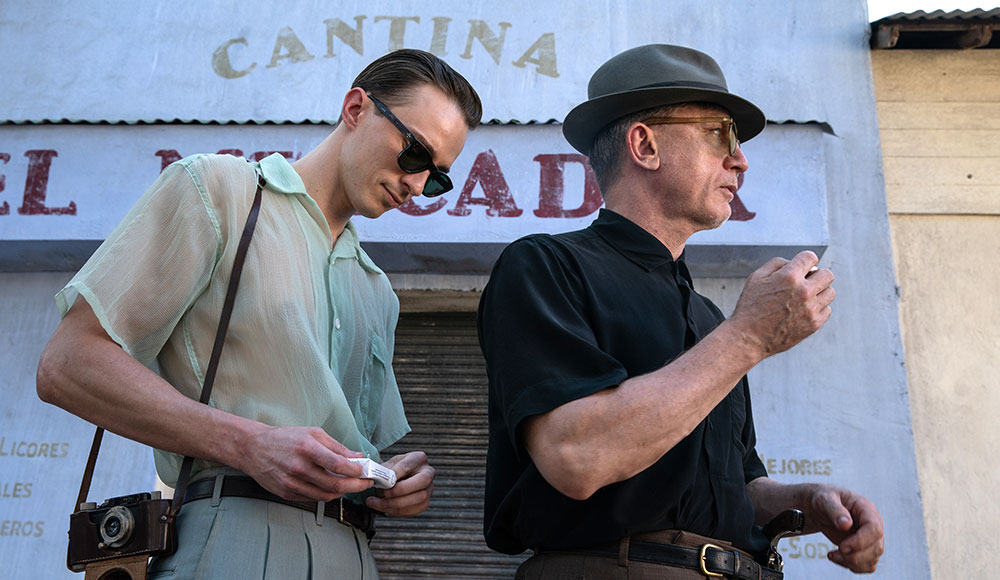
(641, 147)
(354, 107)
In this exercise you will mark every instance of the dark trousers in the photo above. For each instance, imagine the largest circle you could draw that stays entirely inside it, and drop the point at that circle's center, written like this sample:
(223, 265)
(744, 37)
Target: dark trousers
(557, 565)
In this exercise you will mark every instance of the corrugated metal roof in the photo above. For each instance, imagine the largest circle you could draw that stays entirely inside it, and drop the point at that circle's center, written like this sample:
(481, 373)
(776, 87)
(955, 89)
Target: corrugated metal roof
(942, 15)
(959, 29)
(178, 121)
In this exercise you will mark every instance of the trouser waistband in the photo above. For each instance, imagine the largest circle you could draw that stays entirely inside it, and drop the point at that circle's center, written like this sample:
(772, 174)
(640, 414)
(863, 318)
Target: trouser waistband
(343, 510)
(678, 549)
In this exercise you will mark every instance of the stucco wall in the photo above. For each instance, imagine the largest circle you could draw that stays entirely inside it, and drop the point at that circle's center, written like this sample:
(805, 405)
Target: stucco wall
(43, 450)
(939, 113)
(834, 409)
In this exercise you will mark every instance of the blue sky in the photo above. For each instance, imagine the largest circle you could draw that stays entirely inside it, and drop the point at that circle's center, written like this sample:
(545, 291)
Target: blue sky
(881, 8)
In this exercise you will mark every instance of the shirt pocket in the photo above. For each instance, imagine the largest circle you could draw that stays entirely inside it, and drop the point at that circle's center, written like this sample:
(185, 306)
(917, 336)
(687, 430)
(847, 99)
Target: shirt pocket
(373, 384)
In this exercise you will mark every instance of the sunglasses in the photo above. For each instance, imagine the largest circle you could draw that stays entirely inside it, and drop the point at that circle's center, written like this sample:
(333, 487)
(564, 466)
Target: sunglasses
(728, 135)
(415, 158)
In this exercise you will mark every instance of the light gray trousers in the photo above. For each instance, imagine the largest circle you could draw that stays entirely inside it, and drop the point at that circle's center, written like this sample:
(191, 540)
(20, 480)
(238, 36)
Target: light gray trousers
(249, 539)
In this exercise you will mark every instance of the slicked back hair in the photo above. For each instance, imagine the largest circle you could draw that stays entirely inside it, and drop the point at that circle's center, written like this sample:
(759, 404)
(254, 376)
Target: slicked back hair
(393, 77)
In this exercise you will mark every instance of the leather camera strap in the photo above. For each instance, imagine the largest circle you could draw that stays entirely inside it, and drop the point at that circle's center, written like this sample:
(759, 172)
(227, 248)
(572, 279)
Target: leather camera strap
(88, 473)
(213, 363)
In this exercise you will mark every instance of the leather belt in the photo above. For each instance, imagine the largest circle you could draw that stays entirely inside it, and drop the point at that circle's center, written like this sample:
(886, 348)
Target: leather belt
(710, 560)
(342, 510)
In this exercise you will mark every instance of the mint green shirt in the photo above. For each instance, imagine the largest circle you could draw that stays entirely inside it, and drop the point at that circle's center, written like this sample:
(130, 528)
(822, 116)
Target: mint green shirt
(312, 332)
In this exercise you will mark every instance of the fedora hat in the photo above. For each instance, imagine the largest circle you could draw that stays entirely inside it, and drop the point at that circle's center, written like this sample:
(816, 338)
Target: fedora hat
(655, 75)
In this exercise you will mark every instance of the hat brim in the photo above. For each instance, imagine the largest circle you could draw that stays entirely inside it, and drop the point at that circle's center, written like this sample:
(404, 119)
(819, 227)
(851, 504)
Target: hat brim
(587, 119)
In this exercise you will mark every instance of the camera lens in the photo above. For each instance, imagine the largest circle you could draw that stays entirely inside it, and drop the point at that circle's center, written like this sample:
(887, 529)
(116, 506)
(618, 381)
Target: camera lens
(112, 527)
(116, 527)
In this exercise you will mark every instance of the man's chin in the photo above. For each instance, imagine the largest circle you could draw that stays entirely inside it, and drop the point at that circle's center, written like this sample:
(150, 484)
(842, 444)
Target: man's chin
(715, 222)
(371, 212)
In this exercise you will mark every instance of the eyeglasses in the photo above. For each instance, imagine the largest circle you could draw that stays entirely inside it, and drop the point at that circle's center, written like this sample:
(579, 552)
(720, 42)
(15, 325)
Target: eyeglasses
(415, 158)
(728, 134)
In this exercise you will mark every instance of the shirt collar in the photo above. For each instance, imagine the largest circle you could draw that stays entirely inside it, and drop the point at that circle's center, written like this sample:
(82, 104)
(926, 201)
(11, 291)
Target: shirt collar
(631, 240)
(349, 246)
(280, 176)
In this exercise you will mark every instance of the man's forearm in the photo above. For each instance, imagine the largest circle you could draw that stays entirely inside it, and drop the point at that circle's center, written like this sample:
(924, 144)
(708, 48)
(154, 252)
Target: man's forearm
(770, 498)
(83, 371)
(616, 433)
(612, 435)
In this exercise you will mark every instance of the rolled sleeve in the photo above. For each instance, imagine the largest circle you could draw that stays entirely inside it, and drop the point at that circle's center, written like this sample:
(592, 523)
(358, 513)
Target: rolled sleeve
(149, 271)
(538, 343)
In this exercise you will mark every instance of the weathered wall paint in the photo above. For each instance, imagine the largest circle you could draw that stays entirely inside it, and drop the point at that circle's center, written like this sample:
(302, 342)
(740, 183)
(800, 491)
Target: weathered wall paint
(940, 114)
(834, 409)
(43, 450)
(255, 60)
(509, 182)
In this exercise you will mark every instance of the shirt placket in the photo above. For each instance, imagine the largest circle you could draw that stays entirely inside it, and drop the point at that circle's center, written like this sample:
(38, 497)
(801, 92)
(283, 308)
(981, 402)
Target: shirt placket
(336, 332)
(715, 429)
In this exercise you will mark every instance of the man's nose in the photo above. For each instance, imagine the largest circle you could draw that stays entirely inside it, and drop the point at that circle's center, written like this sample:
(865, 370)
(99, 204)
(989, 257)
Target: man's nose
(415, 182)
(738, 160)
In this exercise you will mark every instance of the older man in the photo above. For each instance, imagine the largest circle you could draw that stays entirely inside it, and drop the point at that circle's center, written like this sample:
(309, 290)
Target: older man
(305, 381)
(622, 443)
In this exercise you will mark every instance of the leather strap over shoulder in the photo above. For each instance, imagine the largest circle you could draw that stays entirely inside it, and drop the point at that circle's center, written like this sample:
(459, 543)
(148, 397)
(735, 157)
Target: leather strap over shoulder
(220, 335)
(213, 363)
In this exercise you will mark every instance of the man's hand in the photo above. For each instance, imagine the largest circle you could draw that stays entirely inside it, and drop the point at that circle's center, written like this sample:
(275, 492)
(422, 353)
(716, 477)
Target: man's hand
(783, 302)
(851, 522)
(414, 485)
(302, 463)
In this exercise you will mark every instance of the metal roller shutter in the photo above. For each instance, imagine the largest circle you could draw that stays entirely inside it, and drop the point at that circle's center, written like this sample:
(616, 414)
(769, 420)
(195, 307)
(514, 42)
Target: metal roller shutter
(442, 378)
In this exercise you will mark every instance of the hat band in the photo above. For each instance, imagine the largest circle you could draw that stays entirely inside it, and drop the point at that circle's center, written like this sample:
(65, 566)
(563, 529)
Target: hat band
(686, 84)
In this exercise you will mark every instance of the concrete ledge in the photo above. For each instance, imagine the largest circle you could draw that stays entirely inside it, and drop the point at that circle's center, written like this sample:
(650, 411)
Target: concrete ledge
(705, 261)
(738, 261)
(45, 255)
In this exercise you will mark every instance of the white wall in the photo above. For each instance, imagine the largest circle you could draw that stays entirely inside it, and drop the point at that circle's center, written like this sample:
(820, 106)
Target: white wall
(836, 406)
(43, 449)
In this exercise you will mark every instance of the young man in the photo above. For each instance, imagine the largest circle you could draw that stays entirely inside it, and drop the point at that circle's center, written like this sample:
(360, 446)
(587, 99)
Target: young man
(304, 381)
(621, 438)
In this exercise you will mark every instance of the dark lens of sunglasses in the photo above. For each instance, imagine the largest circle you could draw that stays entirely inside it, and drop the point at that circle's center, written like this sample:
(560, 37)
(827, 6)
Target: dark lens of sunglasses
(436, 184)
(415, 159)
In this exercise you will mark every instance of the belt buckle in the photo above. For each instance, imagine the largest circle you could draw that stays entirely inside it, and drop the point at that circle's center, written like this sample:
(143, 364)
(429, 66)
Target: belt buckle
(701, 560)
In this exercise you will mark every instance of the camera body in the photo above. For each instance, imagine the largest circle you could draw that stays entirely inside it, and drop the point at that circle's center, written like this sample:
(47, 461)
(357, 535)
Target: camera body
(121, 527)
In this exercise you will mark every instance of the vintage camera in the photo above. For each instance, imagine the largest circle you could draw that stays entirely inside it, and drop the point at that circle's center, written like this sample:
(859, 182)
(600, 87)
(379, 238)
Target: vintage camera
(130, 526)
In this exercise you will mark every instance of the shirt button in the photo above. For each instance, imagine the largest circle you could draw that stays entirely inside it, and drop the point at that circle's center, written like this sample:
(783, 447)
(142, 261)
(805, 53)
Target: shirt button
(336, 323)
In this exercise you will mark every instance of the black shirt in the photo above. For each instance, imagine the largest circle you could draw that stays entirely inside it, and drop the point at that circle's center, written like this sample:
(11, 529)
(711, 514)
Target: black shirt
(567, 315)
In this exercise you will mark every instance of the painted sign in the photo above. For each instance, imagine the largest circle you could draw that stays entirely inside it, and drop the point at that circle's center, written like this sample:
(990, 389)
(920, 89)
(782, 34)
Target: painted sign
(228, 61)
(59, 192)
